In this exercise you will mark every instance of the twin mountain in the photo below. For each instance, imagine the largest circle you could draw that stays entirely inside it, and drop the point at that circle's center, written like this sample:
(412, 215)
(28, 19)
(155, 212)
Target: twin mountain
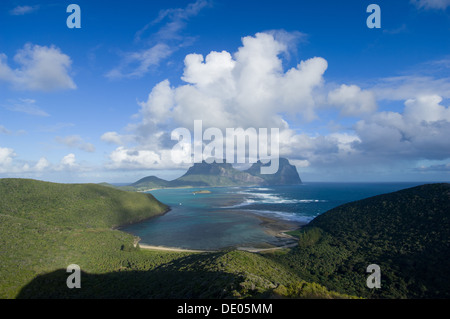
(224, 174)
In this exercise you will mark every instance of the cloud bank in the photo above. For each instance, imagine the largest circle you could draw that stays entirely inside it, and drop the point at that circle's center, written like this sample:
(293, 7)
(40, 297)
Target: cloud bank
(250, 88)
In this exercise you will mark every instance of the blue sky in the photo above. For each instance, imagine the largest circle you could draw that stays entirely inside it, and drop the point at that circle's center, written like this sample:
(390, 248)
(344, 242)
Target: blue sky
(98, 103)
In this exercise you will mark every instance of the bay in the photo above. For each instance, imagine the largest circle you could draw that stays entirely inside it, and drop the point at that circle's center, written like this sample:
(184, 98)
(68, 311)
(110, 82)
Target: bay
(234, 216)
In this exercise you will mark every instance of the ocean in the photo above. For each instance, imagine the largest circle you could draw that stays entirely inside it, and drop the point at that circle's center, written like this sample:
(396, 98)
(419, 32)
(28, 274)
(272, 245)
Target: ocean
(230, 216)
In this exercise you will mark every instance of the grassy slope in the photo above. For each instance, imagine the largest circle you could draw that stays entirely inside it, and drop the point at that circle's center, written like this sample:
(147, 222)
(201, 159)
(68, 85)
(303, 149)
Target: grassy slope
(407, 233)
(45, 227)
(40, 221)
(59, 204)
(149, 183)
(151, 274)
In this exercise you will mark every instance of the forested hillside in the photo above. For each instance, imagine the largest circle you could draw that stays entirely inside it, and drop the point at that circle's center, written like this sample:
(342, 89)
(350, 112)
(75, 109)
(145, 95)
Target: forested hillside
(407, 233)
(44, 227)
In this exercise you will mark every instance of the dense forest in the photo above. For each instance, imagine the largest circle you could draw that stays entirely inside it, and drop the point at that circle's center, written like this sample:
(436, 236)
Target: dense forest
(44, 227)
(406, 233)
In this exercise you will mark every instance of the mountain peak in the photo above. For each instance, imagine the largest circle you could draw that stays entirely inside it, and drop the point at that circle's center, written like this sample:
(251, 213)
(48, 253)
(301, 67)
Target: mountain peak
(286, 175)
(224, 174)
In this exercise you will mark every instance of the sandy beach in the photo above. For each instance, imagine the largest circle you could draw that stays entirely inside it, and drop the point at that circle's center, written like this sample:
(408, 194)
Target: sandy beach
(173, 249)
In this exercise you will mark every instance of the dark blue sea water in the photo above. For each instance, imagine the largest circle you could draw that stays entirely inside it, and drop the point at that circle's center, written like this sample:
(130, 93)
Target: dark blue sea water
(228, 216)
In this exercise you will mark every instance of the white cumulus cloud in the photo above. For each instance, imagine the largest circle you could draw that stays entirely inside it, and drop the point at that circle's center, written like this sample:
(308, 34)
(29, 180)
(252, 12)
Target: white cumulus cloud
(69, 160)
(6, 156)
(352, 100)
(112, 138)
(420, 132)
(41, 68)
(126, 158)
(426, 108)
(42, 164)
(249, 88)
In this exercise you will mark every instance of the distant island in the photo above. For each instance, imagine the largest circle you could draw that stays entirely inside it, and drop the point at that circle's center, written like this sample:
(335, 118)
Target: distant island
(221, 175)
(202, 192)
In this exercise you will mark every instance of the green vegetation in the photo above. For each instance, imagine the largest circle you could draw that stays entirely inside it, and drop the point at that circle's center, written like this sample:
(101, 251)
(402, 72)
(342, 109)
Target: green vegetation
(202, 192)
(75, 205)
(304, 290)
(44, 227)
(149, 182)
(128, 188)
(407, 233)
(150, 274)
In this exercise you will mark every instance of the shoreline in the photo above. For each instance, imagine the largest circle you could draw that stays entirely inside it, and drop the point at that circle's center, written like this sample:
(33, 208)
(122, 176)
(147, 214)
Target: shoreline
(188, 187)
(173, 249)
(277, 229)
(142, 220)
(274, 227)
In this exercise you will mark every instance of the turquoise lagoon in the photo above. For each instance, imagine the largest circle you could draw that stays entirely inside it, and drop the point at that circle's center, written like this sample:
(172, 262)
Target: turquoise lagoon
(229, 216)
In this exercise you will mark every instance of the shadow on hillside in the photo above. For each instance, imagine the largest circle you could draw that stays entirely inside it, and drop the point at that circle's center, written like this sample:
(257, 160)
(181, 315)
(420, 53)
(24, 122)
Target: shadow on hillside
(182, 278)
